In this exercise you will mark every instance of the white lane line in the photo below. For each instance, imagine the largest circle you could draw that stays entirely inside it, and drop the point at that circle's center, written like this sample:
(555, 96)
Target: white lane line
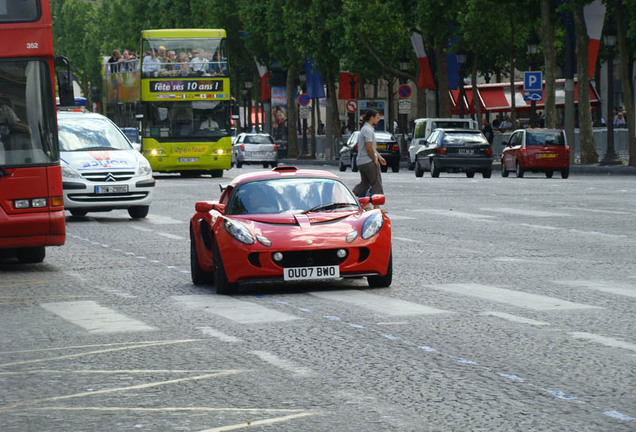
(140, 228)
(453, 213)
(393, 216)
(283, 364)
(242, 312)
(245, 425)
(162, 220)
(606, 287)
(615, 212)
(95, 318)
(514, 318)
(404, 239)
(170, 236)
(524, 212)
(614, 343)
(512, 297)
(209, 331)
(523, 260)
(380, 304)
(545, 227)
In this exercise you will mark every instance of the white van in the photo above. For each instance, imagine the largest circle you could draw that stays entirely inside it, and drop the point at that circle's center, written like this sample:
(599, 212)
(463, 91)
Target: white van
(424, 127)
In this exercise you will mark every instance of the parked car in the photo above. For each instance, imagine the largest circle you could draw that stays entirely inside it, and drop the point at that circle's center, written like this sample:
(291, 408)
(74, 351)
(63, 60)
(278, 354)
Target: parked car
(386, 145)
(292, 225)
(424, 126)
(536, 150)
(101, 171)
(254, 148)
(454, 150)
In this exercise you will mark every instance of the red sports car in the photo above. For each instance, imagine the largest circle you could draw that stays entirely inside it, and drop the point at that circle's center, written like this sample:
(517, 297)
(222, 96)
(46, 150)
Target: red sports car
(289, 224)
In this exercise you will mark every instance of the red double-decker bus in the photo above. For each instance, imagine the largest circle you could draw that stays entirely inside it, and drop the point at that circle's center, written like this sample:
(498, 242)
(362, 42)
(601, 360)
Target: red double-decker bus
(31, 200)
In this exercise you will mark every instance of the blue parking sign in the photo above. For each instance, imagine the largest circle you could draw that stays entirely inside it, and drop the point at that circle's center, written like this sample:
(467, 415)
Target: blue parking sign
(532, 86)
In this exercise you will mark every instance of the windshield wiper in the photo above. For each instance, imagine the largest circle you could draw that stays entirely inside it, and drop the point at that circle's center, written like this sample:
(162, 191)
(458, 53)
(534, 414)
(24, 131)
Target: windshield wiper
(97, 148)
(330, 206)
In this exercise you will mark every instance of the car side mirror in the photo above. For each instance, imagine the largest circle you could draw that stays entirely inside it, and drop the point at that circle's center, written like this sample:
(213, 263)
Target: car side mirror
(219, 207)
(377, 199)
(203, 206)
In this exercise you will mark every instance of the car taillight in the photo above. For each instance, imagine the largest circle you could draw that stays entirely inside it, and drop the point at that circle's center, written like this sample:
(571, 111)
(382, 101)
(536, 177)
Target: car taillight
(488, 151)
(395, 147)
(275, 148)
(242, 147)
(441, 150)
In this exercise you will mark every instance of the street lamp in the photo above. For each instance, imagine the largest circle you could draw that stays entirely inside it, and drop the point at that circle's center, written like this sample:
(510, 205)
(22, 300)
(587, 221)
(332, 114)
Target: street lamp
(303, 83)
(533, 48)
(248, 88)
(403, 117)
(610, 157)
(461, 60)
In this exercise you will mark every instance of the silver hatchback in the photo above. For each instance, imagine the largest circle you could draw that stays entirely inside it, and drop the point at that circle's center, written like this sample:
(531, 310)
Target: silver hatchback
(254, 148)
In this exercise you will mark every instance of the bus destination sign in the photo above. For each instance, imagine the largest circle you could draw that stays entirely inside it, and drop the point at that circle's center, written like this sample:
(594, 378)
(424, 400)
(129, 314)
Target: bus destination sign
(180, 86)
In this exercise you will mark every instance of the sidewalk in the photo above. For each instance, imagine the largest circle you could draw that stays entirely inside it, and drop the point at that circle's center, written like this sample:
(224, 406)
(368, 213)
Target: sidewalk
(574, 169)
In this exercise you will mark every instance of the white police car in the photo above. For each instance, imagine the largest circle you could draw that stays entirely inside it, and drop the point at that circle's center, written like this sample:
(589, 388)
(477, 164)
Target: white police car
(101, 171)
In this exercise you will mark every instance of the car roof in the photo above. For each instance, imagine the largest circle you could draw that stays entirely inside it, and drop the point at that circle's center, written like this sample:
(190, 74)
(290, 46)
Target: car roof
(473, 131)
(540, 130)
(282, 172)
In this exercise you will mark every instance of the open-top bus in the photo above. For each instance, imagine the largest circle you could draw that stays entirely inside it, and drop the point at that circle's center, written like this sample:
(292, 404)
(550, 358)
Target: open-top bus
(31, 200)
(180, 90)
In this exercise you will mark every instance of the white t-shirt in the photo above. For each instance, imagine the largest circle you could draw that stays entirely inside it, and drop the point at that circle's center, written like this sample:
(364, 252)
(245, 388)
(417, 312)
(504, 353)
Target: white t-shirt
(367, 134)
(199, 64)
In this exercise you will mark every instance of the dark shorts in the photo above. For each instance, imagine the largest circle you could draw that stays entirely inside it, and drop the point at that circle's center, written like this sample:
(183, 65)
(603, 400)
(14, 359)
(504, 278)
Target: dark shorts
(369, 178)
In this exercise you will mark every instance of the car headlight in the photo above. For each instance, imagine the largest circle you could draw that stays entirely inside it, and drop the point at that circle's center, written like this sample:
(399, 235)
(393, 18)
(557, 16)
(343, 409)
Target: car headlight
(238, 231)
(144, 167)
(68, 172)
(372, 225)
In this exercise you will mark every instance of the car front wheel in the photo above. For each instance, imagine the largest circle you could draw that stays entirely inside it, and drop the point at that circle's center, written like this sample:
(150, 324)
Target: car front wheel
(434, 170)
(221, 283)
(504, 172)
(199, 276)
(31, 255)
(138, 212)
(385, 280)
(419, 169)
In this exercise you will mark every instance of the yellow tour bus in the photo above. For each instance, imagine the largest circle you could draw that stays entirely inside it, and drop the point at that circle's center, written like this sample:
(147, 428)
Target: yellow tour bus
(178, 90)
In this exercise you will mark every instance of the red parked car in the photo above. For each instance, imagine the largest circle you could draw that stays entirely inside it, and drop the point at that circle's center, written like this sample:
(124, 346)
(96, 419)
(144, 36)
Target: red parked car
(536, 150)
(289, 224)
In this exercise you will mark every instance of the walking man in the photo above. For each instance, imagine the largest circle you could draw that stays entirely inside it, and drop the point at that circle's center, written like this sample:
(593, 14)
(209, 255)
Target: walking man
(368, 158)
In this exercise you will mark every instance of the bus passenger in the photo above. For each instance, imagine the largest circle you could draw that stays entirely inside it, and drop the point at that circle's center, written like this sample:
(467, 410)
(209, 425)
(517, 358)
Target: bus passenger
(218, 65)
(199, 64)
(151, 64)
(181, 65)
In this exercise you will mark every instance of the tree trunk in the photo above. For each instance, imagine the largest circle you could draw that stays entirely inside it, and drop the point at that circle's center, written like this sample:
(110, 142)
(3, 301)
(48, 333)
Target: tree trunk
(473, 80)
(628, 90)
(442, 83)
(292, 114)
(513, 108)
(549, 54)
(586, 133)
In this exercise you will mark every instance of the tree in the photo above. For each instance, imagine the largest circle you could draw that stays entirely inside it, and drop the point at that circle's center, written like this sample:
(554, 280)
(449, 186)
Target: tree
(549, 55)
(626, 56)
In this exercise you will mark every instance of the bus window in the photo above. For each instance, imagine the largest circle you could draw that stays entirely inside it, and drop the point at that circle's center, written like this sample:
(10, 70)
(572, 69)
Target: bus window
(19, 11)
(27, 117)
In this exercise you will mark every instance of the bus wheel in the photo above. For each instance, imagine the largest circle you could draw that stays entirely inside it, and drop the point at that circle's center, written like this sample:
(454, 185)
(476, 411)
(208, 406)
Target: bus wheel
(216, 173)
(30, 255)
(138, 212)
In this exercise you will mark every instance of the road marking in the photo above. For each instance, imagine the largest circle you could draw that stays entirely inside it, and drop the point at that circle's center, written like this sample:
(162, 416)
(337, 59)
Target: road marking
(259, 422)
(162, 220)
(80, 347)
(69, 356)
(607, 287)
(31, 299)
(615, 212)
(512, 297)
(393, 216)
(95, 318)
(614, 343)
(16, 282)
(209, 331)
(242, 312)
(141, 228)
(523, 260)
(551, 228)
(514, 318)
(12, 407)
(524, 212)
(106, 372)
(170, 236)
(453, 213)
(286, 365)
(380, 304)
(408, 240)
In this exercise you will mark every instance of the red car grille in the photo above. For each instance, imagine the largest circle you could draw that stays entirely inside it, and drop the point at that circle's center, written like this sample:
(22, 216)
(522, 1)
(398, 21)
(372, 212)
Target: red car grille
(310, 258)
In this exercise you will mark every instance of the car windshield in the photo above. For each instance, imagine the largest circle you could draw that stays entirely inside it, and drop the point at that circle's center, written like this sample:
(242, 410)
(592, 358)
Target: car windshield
(293, 195)
(545, 138)
(90, 133)
(462, 138)
(258, 139)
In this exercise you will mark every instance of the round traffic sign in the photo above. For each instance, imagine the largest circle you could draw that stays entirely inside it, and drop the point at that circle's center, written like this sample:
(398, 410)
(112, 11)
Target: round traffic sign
(404, 91)
(303, 99)
(352, 105)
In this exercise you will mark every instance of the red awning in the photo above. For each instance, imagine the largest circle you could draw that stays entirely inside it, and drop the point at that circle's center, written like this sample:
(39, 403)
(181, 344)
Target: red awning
(497, 98)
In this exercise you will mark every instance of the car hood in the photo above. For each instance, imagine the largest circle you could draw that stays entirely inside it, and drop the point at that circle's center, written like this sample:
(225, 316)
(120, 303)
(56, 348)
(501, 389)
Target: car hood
(101, 159)
(321, 228)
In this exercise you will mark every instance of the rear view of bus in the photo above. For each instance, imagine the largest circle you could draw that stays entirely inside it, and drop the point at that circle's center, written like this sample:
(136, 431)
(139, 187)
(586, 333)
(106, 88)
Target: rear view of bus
(31, 200)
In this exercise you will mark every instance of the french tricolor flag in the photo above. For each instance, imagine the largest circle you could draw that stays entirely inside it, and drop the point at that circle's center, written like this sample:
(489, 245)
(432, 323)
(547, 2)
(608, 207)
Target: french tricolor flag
(594, 16)
(425, 78)
(266, 90)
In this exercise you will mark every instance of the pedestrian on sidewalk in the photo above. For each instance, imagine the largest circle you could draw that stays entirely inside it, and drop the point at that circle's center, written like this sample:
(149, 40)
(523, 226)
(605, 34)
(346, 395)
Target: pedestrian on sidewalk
(368, 159)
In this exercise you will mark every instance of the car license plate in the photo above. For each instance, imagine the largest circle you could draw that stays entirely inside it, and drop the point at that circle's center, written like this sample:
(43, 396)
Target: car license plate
(186, 160)
(546, 155)
(309, 273)
(466, 151)
(380, 146)
(111, 189)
